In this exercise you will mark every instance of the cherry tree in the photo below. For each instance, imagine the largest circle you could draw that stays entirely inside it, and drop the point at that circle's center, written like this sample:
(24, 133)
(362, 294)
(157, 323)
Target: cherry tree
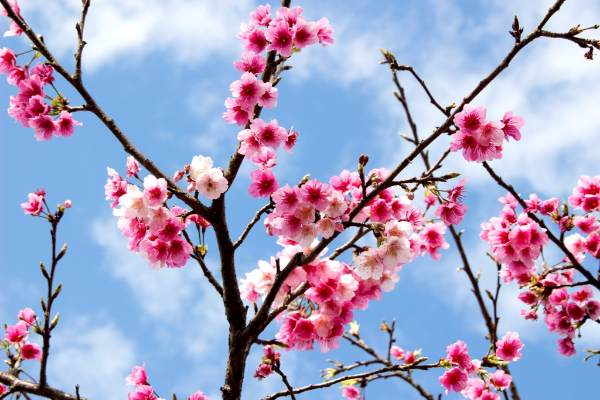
(343, 241)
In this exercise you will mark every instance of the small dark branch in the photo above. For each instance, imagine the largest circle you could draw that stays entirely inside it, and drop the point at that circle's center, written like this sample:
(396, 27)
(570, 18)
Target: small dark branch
(582, 42)
(350, 244)
(555, 269)
(426, 179)
(332, 382)
(344, 368)
(77, 109)
(392, 340)
(551, 11)
(256, 218)
(474, 283)
(411, 381)
(361, 225)
(50, 297)
(362, 345)
(270, 342)
(85, 5)
(592, 280)
(284, 305)
(568, 285)
(198, 257)
(18, 385)
(494, 335)
(77, 392)
(445, 111)
(285, 381)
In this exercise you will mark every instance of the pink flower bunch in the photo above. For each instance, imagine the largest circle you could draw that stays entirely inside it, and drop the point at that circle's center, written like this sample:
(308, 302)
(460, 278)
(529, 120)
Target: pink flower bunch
(270, 359)
(460, 367)
(207, 180)
(287, 32)
(587, 194)
(153, 230)
(35, 205)
(452, 211)
(351, 392)
(515, 242)
(480, 139)
(17, 335)
(143, 390)
(479, 389)
(14, 28)
(29, 106)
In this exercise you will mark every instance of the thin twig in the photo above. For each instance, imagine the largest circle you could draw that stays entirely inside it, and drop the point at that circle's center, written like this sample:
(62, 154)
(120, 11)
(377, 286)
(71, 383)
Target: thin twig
(285, 381)
(249, 227)
(85, 5)
(361, 233)
(198, 257)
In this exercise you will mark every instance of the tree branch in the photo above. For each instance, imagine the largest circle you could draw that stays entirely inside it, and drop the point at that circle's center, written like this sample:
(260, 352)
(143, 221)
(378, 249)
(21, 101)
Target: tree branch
(256, 218)
(18, 385)
(81, 44)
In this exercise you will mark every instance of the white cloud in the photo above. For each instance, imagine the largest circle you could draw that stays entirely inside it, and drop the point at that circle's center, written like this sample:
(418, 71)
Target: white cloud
(96, 356)
(119, 33)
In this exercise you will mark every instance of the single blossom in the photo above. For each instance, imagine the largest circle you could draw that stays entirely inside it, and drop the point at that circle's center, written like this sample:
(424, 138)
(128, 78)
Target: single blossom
(31, 351)
(35, 205)
(508, 348)
(263, 183)
(212, 184)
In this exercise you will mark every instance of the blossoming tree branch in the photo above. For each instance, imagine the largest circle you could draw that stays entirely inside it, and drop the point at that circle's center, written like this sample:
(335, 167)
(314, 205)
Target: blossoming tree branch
(304, 289)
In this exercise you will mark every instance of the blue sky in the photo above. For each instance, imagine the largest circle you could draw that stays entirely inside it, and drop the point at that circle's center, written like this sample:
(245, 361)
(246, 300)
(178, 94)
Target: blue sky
(162, 70)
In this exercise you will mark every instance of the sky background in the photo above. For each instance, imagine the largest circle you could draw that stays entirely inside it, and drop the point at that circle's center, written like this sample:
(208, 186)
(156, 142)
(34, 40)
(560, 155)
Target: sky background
(162, 71)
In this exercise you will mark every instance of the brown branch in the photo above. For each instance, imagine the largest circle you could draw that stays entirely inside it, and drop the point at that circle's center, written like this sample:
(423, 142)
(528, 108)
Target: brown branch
(582, 42)
(270, 342)
(396, 367)
(249, 227)
(396, 67)
(18, 385)
(592, 280)
(285, 381)
(81, 44)
(207, 273)
(360, 234)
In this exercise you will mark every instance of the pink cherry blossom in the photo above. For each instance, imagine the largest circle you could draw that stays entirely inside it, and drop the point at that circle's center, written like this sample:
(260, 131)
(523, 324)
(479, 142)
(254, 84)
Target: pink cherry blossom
(212, 184)
(178, 253)
(265, 158)
(512, 125)
(289, 16)
(454, 379)
(17, 333)
(27, 315)
(198, 396)
(263, 183)
(508, 348)
(316, 193)
(280, 36)
(270, 135)
(236, 112)
(325, 31)
(305, 33)
(369, 264)
(472, 150)
(35, 205)
(451, 213)
(592, 308)
(115, 187)
(155, 190)
(44, 127)
(587, 224)
(290, 140)
(8, 60)
(251, 62)
(501, 379)
(142, 392)
(470, 119)
(457, 354)
(262, 15)
(137, 376)
(566, 347)
(16, 75)
(268, 99)
(263, 371)
(247, 90)
(351, 392)
(255, 41)
(31, 351)
(490, 133)
(132, 167)
(397, 353)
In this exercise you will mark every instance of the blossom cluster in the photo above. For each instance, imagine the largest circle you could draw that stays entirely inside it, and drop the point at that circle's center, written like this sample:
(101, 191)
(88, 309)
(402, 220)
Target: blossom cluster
(17, 335)
(460, 367)
(286, 33)
(334, 289)
(29, 107)
(270, 360)
(201, 176)
(451, 211)
(143, 390)
(480, 139)
(154, 230)
(517, 242)
(14, 28)
(36, 203)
